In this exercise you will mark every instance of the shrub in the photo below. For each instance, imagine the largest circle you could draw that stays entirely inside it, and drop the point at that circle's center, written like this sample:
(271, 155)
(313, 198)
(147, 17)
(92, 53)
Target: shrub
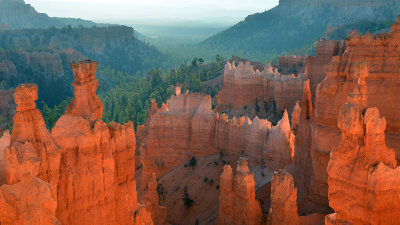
(187, 201)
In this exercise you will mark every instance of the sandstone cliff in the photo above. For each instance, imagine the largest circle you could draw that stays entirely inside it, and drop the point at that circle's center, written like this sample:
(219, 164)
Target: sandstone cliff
(362, 175)
(292, 64)
(372, 55)
(243, 86)
(237, 203)
(314, 70)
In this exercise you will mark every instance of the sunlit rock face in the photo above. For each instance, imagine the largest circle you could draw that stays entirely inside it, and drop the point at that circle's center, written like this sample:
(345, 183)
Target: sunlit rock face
(97, 168)
(237, 203)
(314, 71)
(5, 141)
(30, 201)
(86, 103)
(243, 85)
(362, 175)
(32, 148)
(375, 56)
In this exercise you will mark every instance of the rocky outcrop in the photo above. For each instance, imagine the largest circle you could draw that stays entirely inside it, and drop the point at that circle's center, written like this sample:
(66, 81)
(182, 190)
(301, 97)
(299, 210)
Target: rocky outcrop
(180, 129)
(279, 151)
(292, 64)
(158, 213)
(284, 203)
(237, 203)
(376, 56)
(5, 141)
(29, 201)
(86, 103)
(243, 86)
(32, 149)
(97, 168)
(283, 200)
(314, 71)
(295, 116)
(362, 175)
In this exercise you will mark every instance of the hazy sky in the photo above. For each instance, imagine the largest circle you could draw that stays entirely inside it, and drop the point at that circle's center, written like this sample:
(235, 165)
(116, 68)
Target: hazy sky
(141, 10)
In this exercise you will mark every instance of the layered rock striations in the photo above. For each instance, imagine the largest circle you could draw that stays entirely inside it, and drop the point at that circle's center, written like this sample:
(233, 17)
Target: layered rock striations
(85, 103)
(180, 129)
(237, 203)
(5, 141)
(97, 168)
(158, 213)
(243, 86)
(314, 70)
(372, 55)
(279, 151)
(32, 148)
(362, 175)
(292, 64)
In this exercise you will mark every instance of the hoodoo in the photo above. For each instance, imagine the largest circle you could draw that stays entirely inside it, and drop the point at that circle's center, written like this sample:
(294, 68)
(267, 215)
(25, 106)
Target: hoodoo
(32, 148)
(237, 203)
(362, 172)
(97, 168)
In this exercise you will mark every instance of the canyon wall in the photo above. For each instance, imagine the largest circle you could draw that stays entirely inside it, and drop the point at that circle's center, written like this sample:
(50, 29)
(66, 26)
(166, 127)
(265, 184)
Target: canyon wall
(292, 64)
(363, 176)
(185, 142)
(314, 70)
(243, 86)
(373, 56)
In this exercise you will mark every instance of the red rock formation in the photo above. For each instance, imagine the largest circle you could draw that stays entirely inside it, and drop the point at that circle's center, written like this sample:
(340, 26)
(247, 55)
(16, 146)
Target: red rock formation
(180, 129)
(292, 64)
(85, 103)
(30, 201)
(362, 175)
(158, 213)
(283, 200)
(279, 151)
(5, 141)
(32, 148)
(284, 203)
(295, 116)
(382, 66)
(243, 86)
(314, 71)
(97, 184)
(237, 203)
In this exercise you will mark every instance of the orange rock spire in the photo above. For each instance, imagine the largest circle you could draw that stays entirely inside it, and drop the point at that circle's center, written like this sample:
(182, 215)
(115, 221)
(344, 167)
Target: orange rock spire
(237, 203)
(85, 103)
(32, 148)
(362, 173)
(97, 171)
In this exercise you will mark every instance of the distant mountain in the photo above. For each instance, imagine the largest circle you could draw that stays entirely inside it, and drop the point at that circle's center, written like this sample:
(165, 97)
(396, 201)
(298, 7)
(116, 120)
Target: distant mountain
(17, 14)
(293, 24)
(43, 56)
